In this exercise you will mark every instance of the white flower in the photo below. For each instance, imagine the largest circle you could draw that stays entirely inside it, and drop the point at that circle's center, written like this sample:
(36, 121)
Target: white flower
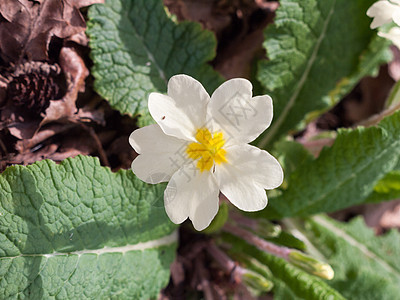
(383, 12)
(200, 145)
(393, 35)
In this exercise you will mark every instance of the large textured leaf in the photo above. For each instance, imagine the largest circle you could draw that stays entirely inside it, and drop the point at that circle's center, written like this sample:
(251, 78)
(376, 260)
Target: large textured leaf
(366, 267)
(342, 175)
(136, 48)
(78, 231)
(318, 50)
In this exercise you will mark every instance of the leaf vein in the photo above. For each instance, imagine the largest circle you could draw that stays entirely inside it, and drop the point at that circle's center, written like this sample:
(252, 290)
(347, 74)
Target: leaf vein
(275, 126)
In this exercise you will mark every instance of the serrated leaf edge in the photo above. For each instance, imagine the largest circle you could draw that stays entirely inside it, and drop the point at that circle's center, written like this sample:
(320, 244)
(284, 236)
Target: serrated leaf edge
(340, 183)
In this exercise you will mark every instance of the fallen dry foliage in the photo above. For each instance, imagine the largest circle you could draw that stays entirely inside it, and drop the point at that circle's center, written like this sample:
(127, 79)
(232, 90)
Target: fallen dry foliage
(47, 106)
(27, 27)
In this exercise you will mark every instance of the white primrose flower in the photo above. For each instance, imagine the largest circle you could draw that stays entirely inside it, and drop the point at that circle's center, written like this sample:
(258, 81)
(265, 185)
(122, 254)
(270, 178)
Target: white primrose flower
(393, 35)
(383, 12)
(200, 145)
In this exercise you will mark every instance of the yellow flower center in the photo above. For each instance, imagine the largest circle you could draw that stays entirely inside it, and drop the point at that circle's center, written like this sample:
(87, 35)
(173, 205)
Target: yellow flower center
(208, 149)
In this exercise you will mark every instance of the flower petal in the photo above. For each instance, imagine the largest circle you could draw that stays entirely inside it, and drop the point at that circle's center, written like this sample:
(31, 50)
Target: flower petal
(247, 173)
(154, 169)
(245, 195)
(194, 194)
(204, 210)
(162, 155)
(190, 96)
(241, 117)
(393, 35)
(382, 12)
(183, 111)
(151, 139)
(172, 119)
(396, 16)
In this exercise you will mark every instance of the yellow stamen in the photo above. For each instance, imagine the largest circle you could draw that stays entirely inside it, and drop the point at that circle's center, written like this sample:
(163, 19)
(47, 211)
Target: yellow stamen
(208, 149)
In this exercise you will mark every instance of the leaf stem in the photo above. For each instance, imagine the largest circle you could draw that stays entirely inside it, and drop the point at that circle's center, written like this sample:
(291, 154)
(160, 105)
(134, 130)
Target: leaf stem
(223, 260)
(297, 258)
(294, 228)
(262, 244)
(261, 227)
(248, 277)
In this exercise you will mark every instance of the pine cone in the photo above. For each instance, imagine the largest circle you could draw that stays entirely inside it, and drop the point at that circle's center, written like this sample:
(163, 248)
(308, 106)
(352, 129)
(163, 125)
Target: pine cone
(33, 85)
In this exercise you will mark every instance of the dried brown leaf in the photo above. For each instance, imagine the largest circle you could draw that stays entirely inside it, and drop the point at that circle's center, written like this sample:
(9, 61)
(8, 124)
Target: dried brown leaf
(55, 142)
(87, 114)
(75, 72)
(19, 122)
(24, 125)
(30, 157)
(51, 130)
(26, 27)
(79, 38)
(3, 91)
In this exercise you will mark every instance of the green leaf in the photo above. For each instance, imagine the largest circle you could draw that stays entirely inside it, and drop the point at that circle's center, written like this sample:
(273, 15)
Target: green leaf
(344, 174)
(318, 50)
(288, 240)
(78, 231)
(388, 188)
(136, 48)
(299, 282)
(366, 266)
(282, 292)
(291, 154)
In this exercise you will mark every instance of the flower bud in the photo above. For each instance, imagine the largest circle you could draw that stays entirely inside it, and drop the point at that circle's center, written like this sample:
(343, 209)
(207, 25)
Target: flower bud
(267, 229)
(256, 282)
(311, 265)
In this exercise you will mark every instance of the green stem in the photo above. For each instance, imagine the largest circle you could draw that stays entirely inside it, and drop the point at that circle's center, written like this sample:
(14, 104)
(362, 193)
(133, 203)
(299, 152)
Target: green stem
(295, 229)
